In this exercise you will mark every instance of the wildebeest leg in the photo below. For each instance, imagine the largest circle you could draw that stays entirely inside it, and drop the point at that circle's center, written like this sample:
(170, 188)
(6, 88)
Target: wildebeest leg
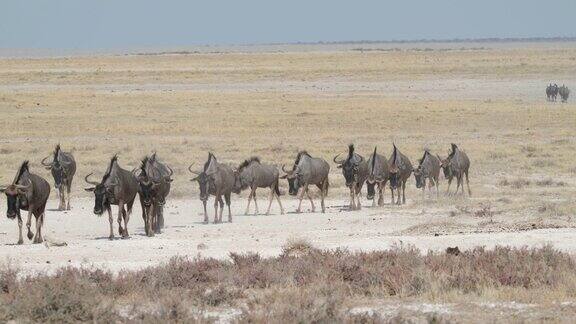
(437, 188)
(111, 220)
(352, 196)
(300, 197)
(216, 200)
(310, 198)
(29, 222)
(392, 192)
(126, 217)
(279, 202)
(221, 201)
(403, 192)
(249, 200)
(20, 240)
(468, 184)
(449, 183)
(61, 202)
(227, 198)
(36, 237)
(381, 194)
(159, 218)
(40, 236)
(205, 212)
(119, 219)
(358, 196)
(323, 191)
(150, 220)
(271, 197)
(68, 189)
(399, 198)
(255, 202)
(458, 184)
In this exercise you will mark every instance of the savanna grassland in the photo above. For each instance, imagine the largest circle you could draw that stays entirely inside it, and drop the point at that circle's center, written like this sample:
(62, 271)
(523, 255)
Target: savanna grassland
(490, 100)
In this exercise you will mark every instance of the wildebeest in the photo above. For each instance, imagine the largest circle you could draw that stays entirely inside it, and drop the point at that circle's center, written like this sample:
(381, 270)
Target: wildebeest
(219, 180)
(253, 174)
(28, 192)
(355, 171)
(154, 178)
(456, 165)
(377, 176)
(307, 171)
(400, 170)
(552, 92)
(428, 168)
(117, 187)
(63, 169)
(564, 93)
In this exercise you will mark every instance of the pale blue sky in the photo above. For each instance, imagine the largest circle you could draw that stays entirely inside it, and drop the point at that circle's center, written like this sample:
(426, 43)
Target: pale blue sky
(106, 24)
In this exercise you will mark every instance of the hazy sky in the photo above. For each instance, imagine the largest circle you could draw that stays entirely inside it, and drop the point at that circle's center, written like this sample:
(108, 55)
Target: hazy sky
(105, 24)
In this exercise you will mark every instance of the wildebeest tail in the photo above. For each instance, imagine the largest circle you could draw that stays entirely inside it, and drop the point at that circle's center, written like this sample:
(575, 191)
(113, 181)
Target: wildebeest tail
(277, 188)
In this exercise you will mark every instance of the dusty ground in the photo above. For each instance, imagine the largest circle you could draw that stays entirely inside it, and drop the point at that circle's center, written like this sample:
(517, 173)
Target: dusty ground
(489, 100)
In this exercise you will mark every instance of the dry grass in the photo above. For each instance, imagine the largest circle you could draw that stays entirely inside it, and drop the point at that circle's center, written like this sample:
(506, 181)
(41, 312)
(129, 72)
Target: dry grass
(316, 286)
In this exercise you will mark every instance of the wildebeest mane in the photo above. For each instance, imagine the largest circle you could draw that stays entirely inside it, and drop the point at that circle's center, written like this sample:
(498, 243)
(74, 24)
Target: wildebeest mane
(373, 159)
(247, 162)
(107, 174)
(56, 152)
(298, 157)
(420, 161)
(23, 168)
(454, 148)
(350, 151)
(207, 163)
(143, 166)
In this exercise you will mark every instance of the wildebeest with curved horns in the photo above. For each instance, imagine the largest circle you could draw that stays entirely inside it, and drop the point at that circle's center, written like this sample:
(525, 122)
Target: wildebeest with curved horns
(355, 171)
(377, 176)
(253, 174)
(306, 171)
(428, 168)
(219, 180)
(117, 187)
(154, 178)
(28, 192)
(456, 165)
(63, 169)
(400, 170)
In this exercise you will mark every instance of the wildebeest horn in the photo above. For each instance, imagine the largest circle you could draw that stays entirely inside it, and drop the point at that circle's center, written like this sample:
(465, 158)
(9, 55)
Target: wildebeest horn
(171, 171)
(24, 188)
(94, 183)
(192, 171)
(361, 159)
(283, 165)
(338, 162)
(46, 164)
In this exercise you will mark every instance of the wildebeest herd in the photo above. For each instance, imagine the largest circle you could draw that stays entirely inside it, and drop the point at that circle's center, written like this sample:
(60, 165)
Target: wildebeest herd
(151, 182)
(553, 90)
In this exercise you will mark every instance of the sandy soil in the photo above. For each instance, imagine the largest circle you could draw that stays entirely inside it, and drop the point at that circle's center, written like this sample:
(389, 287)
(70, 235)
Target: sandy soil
(86, 235)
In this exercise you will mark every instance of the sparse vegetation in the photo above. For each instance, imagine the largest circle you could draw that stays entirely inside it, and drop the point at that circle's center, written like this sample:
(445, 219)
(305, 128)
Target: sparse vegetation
(315, 286)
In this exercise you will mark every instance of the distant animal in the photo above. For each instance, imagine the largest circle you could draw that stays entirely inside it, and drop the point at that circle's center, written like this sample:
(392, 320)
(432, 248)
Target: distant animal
(117, 187)
(63, 169)
(552, 92)
(428, 169)
(154, 179)
(307, 171)
(400, 171)
(453, 250)
(355, 171)
(28, 192)
(564, 93)
(219, 180)
(378, 174)
(254, 174)
(456, 165)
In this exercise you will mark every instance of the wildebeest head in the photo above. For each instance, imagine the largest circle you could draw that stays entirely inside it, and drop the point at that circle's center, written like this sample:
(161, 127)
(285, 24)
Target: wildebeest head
(203, 178)
(445, 165)
(349, 166)
(293, 180)
(394, 171)
(14, 192)
(418, 172)
(102, 193)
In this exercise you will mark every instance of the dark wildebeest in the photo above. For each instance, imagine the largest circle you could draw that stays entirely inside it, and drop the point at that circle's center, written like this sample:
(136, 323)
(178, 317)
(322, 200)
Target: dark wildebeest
(564, 93)
(355, 171)
(154, 178)
(27, 192)
(456, 165)
(307, 171)
(219, 180)
(400, 170)
(377, 175)
(552, 92)
(254, 175)
(428, 168)
(118, 187)
(63, 168)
